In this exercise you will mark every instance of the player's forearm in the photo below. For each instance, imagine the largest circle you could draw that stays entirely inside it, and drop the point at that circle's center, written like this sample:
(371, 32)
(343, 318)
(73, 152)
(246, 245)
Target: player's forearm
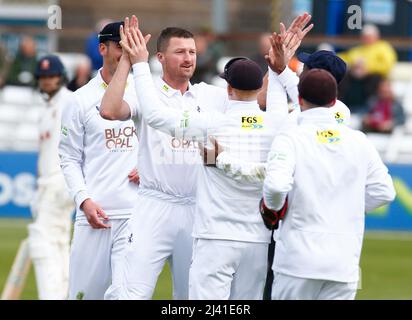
(240, 170)
(75, 181)
(261, 97)
(277, 100)
(289, 81)
(275, 193)
(380, 192)
(112, 105)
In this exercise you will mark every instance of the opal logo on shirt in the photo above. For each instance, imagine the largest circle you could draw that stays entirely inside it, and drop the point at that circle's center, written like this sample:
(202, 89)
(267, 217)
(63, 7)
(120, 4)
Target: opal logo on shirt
(252, 122)
(183, 144)
(119, 138)
(328, 136)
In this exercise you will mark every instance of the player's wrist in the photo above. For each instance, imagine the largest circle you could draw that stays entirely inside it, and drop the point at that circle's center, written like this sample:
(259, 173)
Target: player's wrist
(85, 203)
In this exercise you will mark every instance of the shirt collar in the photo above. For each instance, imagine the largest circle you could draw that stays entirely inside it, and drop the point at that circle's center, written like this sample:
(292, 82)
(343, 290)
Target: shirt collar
(168, 91)
(103, 84)
(315, 115)
(236, 105)
(55, 97)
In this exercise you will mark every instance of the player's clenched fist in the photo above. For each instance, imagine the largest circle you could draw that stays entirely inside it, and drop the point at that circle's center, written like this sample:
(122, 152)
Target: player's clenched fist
(133, 42)
(94, 214)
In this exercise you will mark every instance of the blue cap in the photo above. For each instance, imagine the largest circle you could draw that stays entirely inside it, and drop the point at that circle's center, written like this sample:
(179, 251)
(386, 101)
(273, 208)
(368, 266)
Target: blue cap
(49, 65)
(326, 60)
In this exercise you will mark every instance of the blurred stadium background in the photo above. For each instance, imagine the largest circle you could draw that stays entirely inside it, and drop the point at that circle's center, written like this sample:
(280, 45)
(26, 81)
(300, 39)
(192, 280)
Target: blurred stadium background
(224, 28)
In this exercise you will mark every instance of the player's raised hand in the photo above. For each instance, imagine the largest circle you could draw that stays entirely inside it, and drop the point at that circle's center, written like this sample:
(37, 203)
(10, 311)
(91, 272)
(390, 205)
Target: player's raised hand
(276, 56)
(133, 42)
(293, 36)
(94, 214)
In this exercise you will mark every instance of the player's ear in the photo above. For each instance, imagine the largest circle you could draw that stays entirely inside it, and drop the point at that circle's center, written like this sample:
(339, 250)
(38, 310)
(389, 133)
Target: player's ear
(300, 101)
(102, 49)
(229, 90)
(160, 57)
(333, 102)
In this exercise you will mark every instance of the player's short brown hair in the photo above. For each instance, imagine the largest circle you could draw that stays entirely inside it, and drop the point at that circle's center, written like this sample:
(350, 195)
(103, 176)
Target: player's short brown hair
(171, 32)
(318, 87)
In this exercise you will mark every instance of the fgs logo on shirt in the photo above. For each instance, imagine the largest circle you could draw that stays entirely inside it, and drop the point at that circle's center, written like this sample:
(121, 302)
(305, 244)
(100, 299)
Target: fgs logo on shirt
(328, 136)
(252, 122)
(339, 117)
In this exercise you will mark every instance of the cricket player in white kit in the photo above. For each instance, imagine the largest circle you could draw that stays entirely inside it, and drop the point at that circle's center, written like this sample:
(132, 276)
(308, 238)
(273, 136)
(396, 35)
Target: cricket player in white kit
(99, 158)
(227, 224)
(162, 223)
(331, 175)
(52, 209)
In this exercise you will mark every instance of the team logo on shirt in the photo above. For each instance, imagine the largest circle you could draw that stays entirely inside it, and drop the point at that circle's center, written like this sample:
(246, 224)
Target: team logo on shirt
(184, 144)
(184, 122)
(328, 136)
(119, 139)
(252, 122)
(64, 131)
(339, 117)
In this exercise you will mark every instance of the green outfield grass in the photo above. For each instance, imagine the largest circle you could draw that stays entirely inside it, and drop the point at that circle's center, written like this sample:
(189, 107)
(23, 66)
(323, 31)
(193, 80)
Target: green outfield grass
(386, 264)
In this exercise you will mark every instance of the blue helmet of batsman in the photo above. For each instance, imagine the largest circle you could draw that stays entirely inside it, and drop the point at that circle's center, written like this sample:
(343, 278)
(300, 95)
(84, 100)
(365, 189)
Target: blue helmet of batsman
(49, 65)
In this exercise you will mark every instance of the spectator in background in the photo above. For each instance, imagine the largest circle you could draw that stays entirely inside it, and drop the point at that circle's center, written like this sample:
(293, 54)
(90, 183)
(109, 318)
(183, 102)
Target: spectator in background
(82, 75)
(368, 64)
(92, 45)
(4, 65)
(385, 113)
(24, 64)
(356, 89)
(377, 56)
(263, 46)
(208, 52)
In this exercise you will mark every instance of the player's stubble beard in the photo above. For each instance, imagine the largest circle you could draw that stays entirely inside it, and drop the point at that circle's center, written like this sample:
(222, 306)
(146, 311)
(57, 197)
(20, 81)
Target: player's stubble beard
(49, 93)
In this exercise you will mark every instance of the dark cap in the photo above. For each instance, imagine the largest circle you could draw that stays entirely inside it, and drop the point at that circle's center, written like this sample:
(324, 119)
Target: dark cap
(318, 87)
(243, 74)
(49, 65)
(326, 60)
(111, 31)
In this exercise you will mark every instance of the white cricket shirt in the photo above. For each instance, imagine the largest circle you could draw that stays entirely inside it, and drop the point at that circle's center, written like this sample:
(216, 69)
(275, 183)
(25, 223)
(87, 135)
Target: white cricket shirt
(98, 154)
(332, 175)
(168, 166)
(226, 209)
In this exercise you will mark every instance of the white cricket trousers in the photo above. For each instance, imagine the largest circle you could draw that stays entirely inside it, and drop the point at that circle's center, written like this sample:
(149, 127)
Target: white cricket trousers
(227, 270)
(49, 238)
(161, 229)
(96, 260)
(292, 288)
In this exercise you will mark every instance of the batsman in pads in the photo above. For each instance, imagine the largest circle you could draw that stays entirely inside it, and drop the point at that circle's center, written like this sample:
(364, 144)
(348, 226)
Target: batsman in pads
(52, 208)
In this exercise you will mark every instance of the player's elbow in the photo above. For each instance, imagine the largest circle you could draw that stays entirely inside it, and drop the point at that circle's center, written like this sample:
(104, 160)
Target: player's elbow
(390, 195)
(108, 115)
